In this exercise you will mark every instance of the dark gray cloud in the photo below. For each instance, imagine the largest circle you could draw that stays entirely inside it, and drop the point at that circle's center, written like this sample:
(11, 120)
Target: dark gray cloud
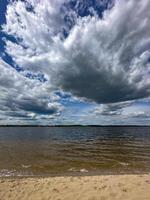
(38, 106)
(108, 60)
(21, 97)
(105, 60)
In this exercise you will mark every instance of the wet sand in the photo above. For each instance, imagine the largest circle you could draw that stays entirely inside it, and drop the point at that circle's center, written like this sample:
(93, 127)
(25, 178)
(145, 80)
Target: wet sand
(105, 187)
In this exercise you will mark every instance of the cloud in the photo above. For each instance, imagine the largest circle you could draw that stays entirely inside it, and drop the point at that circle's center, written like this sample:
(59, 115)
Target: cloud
(140, 114)
(25, 98)
(132, 112)
(139, 111)
(111, 109)
(105, 60)
(97, 52)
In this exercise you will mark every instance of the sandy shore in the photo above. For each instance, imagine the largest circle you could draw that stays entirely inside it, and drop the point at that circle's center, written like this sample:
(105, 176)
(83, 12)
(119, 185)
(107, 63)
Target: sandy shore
(110, 187)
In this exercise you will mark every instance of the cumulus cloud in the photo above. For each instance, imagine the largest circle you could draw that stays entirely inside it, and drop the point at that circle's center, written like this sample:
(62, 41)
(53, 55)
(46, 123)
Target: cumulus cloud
(97, 52)
(108, 59)
(111, 109)
(105, 60)
(122, 113)
(25, 98)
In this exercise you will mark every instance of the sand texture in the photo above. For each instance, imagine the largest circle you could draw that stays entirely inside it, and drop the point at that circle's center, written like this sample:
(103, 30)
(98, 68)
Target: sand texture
(110, 187)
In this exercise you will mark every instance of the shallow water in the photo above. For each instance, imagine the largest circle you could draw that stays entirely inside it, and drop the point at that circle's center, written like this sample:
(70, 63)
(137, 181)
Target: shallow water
(71, 150)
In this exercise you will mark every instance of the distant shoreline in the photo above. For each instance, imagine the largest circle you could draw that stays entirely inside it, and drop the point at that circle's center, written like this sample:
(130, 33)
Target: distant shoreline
(75, 126)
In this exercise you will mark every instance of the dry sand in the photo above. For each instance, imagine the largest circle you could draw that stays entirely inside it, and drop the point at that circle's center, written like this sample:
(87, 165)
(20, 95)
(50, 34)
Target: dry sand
(110, 187)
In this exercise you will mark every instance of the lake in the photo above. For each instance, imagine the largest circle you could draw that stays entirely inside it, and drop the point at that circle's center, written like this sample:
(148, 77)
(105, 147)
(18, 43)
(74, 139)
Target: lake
(42, 151)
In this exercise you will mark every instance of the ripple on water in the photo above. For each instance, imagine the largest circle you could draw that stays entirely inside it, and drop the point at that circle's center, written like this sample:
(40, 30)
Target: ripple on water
(38, 151)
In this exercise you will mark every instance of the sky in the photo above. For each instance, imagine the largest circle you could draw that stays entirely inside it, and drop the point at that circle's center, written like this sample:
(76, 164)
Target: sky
(75, 62)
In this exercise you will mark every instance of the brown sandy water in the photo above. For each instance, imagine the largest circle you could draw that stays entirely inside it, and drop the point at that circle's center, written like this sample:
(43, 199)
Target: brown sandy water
(42, 151)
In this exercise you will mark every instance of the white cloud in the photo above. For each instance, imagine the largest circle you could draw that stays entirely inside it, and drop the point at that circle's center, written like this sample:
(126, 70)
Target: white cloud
(132, 112)
(141, 111)
(104, 60)
(23, 98)
(108, 59)
(101, 60)
(111, 109)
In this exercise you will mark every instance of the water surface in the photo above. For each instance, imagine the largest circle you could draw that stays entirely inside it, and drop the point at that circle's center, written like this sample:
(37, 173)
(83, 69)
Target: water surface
(71, 150)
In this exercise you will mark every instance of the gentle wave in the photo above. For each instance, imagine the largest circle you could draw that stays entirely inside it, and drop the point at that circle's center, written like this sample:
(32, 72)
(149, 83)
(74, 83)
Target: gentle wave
(42, 151)
(78, 170)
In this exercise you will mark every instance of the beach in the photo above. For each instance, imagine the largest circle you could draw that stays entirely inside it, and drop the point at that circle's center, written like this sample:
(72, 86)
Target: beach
(74, 163)
(103, 187)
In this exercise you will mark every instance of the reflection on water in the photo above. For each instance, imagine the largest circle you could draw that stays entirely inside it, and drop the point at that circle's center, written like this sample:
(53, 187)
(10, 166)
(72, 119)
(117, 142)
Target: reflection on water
(65, 150)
